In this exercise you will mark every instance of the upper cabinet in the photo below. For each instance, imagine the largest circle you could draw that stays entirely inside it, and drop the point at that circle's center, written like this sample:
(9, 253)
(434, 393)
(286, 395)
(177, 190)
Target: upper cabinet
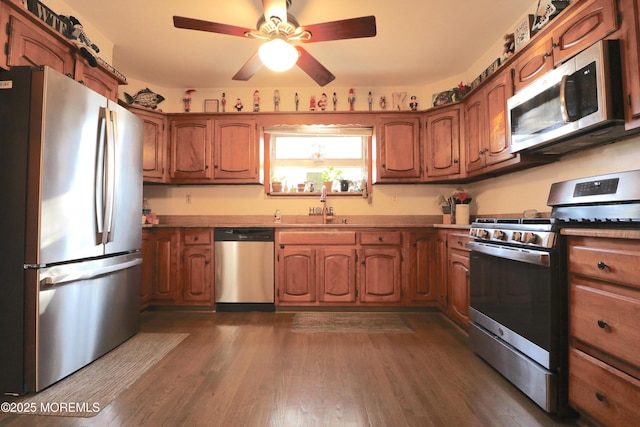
(27, 41)
(236, 151)
(629, 33)
(191, 149)
(155, 152)
(585, 23)
(442, 143)
(398, 148)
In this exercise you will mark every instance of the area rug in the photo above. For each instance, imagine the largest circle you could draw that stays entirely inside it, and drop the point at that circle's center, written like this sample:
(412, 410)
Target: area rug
(355, 322)
(86, 392)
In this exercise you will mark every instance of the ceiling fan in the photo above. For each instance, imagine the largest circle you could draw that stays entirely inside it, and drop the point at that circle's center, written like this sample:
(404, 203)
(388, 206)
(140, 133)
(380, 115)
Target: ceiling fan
(280, 29)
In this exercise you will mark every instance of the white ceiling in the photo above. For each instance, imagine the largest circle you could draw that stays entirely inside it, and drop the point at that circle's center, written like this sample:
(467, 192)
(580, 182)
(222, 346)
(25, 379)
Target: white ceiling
(418, 42)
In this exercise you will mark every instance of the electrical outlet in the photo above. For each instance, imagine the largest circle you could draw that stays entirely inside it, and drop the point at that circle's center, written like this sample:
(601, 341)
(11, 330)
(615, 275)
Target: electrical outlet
(394, 198)
(188, 199)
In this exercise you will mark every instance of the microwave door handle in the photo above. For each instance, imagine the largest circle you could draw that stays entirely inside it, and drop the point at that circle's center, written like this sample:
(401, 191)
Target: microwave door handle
(563, 99)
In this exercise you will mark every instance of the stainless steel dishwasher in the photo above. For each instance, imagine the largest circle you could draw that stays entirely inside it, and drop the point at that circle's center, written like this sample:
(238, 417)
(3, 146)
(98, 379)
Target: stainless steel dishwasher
(244, 269)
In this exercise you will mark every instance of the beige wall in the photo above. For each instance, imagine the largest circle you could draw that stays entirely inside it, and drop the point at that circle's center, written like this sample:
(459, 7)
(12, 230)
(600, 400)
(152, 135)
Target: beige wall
(512, 193)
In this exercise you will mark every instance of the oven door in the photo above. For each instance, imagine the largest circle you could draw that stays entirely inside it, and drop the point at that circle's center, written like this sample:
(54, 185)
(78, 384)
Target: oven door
(514, 295)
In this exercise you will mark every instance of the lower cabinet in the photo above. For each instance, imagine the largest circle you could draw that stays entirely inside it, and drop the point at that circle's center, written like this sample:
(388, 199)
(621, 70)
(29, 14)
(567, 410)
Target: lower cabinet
(453, 262)
(177, 268)
(339, 267)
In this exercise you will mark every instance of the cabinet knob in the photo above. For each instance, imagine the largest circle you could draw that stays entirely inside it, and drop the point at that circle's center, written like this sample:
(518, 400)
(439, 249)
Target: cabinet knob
(602, 265)
(601, 397)
(602, 324)
(380, 239)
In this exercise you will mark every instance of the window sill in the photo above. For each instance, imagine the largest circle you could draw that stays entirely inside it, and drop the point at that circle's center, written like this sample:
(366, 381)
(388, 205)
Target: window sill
(315, 194)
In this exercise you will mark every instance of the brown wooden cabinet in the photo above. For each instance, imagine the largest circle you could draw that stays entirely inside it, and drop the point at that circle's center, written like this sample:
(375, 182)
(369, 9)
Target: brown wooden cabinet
(452, 261)
(422, 268)
(155, 151)
(27, 41)
(629, 34)
(578, 27)
(236, 151)
(191, 149)
(487, 135)
(604, 313)
(442, 143)
(197, 266)
(338, 267)
(398, 148)
(165, 259)
(148, 268)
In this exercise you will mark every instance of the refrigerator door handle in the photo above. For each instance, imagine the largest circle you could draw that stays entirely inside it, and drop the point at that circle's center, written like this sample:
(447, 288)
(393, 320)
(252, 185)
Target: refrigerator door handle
(101, 141)
(49, 282)
(112, 136)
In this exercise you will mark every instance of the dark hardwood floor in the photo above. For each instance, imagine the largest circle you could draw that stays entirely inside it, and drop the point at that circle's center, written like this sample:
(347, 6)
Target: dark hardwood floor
(250, 369)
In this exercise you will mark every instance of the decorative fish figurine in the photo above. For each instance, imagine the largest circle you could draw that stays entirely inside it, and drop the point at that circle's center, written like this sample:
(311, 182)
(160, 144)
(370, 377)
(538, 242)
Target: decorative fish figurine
(146, 98)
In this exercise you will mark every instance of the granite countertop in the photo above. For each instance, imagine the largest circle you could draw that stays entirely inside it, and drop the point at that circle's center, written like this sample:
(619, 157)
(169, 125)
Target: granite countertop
(304, 221)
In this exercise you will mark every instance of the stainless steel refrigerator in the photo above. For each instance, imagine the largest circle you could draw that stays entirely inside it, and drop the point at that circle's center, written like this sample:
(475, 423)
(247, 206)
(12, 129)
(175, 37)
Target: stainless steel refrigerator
(70, 197)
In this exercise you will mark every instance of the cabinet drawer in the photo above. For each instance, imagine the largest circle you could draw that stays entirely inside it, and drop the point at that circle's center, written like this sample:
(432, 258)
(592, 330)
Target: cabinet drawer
(458, 241)
(606, 394)
(380, 238)
(317, 238)
(603, 318)
(613, 260)
(198, 236)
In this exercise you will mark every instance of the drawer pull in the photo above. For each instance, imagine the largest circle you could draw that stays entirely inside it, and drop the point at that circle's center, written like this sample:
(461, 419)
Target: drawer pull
(602, 324)
(600, 396)
(602, 265)
(380, 239)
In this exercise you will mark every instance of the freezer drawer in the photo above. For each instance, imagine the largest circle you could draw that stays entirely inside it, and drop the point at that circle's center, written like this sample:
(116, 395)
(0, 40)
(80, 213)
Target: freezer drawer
(78, 312)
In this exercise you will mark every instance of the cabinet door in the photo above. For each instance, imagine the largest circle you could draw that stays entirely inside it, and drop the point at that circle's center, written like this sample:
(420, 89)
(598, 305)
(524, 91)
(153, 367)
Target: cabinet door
(629, 33)
(442, 269)
(474, 123)
(296, 275)
(191, 146)
(97, 80)
(443, 142)
(533, 63)
(30, 45)
(496, 94)
(154, 154)
(166, 286)
(147, 275)
(380, 275)
(197, 279)
(459, 286)
(236, 153)
(336, 274)
(422, 278)
(590, 23)
(399, 149)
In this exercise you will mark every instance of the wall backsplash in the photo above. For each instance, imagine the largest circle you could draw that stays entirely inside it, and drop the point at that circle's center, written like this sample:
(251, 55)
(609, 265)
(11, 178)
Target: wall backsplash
(511, 193)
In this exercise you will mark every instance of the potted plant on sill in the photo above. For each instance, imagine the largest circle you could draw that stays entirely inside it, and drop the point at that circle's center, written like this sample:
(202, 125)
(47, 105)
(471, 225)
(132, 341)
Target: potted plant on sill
(277, 183)
(329, 175)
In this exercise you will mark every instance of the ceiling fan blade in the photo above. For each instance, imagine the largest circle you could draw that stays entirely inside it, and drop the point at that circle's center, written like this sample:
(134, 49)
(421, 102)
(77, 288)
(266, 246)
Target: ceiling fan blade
(353, 28)
(212, 27)
(313, 68)
(249, 68)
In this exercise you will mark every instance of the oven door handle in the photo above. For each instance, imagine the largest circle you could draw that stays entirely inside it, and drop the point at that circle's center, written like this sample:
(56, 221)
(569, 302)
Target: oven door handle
(516, 254)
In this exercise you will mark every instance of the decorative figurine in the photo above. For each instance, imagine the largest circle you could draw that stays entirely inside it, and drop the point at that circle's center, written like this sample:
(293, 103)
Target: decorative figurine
(413, 104)
(398, 100)
(256, 101)
(323, 102)
(187, 100)
(238, 105)
(223, 101)
(509, 45)
(383, 102)
(312, 103)
(351, 99)
(297, 101)
(370, 101)
(276, 100)
(335, 101)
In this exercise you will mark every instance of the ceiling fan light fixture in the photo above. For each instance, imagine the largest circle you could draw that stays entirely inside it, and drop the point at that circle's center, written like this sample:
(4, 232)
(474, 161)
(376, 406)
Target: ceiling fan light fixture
(278, 55)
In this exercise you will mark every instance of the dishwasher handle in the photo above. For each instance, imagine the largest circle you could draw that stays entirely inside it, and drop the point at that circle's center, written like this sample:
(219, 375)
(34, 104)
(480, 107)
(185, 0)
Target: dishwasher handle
(243, 234)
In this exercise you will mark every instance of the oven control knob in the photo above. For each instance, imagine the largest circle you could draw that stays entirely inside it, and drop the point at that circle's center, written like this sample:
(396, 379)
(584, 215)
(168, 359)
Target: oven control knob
(499, 234)
(483, 234)
(529, 238)
(517, 236)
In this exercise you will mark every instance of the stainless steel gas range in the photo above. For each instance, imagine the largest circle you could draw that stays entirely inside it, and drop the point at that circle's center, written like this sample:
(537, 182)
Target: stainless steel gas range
(518, 286)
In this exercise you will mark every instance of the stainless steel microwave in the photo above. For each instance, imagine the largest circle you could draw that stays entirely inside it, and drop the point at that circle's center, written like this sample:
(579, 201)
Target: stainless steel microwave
(575, 106)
